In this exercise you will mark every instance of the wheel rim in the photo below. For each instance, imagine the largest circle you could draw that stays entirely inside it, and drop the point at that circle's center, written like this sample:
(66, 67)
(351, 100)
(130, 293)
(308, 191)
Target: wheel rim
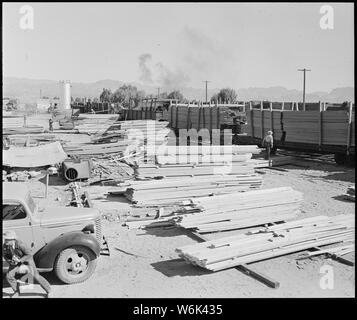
(76, 263)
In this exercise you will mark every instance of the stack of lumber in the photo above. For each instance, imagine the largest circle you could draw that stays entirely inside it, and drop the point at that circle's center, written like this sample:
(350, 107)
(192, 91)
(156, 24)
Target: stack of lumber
(275, 161)
(242, 210)
(38, 156)
(31, 139)
(144, 170)
(260, 121)
(351, 193)
(192, 116)
(91, 149)
(148, 131)
(122, 137)
(109, 168)
(175, 191)
(309, 127)
(12, 121)
(205, 154)
(270, 242)
(143, 131)
(23, 130)
(89, 123)
(176, 161)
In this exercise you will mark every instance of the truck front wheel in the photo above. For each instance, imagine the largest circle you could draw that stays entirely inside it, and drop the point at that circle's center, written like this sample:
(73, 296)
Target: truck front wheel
(75, 264)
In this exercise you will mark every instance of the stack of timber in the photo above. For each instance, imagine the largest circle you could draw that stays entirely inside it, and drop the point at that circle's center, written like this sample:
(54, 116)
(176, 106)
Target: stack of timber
(122, 137)
(143, 131)
(197, 117)
(175, 191)
(177, 161)
(89, 123)
(242, 210)
(148, 170)
(110, 168)
(12, 121)
(94, 123)
(351, 193)
(270, 242)
(205, 154)
(23, 130)
(31, 139)
(307, 127)
(99, 150)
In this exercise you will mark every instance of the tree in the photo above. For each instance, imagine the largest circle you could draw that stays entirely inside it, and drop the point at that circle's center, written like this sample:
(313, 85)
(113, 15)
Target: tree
(128, 95)
(106, 95)
(227, 95)
(214, 98)
(176, 95)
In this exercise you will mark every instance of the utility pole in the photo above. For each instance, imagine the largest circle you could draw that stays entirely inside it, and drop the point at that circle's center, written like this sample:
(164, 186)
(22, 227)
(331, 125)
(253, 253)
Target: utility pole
(303, 92)
(206, 88)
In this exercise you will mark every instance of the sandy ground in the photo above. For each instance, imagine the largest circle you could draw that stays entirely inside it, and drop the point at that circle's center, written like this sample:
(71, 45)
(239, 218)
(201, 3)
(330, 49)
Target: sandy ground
(143, 264)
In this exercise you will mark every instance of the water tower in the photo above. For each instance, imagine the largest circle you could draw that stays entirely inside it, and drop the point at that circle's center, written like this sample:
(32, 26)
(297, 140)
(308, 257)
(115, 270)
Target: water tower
(65, 94)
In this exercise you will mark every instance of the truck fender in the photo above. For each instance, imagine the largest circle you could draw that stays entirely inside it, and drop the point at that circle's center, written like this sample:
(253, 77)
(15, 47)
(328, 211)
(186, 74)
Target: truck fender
(45, 258)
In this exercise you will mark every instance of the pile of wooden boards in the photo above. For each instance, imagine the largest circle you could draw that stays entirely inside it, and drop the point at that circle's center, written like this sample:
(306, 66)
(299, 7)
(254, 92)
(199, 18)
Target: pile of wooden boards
(175, 191)
(110, 168)
(12, 121)
(351, 193)
(94, 123)
(30, 157)
(269, 242)
(188, 170)
(141, 131)
(31, 139)
(205, 154)
(188, 116)
(99, 150)
(88, 123)
(309, 127)
(122, 137)
(179, 161)
(23, 130)
(242, 210)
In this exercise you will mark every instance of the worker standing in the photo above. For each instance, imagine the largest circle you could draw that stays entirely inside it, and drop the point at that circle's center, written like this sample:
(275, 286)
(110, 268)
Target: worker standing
(50, 124)
(268, 144)
(20, 260)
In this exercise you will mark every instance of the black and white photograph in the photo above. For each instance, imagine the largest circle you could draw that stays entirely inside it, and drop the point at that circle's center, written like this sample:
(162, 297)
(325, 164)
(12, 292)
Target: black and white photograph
(189, 150)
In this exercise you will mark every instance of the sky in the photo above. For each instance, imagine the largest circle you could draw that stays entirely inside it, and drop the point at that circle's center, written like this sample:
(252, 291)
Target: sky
(238, 45)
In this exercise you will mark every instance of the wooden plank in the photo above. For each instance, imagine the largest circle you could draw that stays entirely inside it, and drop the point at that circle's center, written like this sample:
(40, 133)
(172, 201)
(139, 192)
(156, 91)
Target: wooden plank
(249, 270)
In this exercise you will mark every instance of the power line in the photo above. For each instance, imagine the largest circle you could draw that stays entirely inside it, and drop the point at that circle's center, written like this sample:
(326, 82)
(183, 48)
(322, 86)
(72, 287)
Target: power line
(303, 92)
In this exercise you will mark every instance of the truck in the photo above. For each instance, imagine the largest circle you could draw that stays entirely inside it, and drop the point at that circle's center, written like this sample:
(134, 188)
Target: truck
(66, 240)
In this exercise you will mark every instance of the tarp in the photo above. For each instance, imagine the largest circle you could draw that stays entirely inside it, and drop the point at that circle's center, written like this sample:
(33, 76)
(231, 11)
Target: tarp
(29, 157)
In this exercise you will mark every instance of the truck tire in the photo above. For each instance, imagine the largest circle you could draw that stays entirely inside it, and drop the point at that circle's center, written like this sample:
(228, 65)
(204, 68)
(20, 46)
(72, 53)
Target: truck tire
(75, 264)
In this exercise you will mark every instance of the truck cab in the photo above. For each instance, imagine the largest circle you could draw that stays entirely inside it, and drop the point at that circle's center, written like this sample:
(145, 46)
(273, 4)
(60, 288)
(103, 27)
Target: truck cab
(65, 240)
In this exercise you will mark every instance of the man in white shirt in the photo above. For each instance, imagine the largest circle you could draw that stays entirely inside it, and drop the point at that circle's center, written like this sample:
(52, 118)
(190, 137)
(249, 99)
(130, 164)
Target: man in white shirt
(268, 144)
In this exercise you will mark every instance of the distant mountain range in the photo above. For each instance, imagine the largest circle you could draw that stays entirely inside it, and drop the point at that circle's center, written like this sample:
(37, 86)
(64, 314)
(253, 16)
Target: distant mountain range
(29, 90)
